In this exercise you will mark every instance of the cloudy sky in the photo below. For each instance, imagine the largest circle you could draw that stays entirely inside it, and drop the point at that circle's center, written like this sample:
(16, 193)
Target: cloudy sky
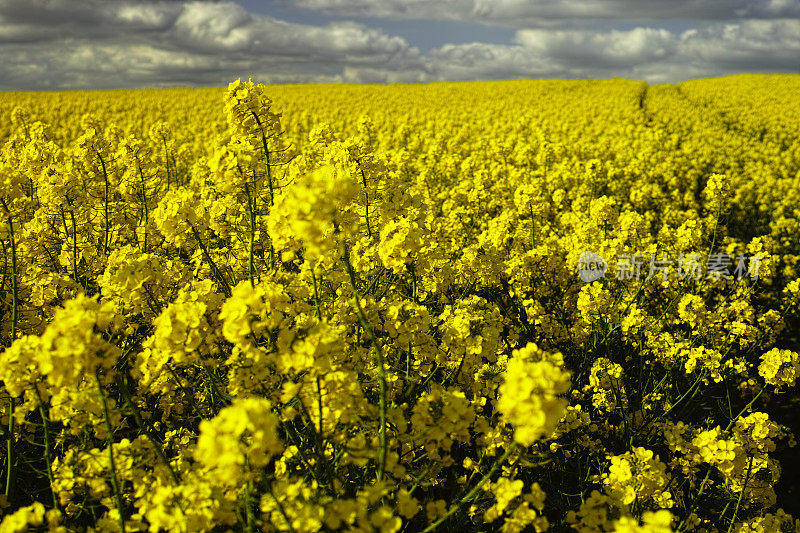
(77, 44)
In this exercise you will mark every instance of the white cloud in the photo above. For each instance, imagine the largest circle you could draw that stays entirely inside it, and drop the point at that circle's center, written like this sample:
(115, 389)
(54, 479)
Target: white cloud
(89, 43)
(548, 13)
(751, 45)
(655, 55)
(44, 44)
(613, 49)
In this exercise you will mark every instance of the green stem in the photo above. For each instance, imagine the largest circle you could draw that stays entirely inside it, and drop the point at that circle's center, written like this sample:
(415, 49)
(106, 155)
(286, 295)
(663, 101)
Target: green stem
(45, 420)
(74, 242)
(302, 454)
(139, 422)
(654, 417)
(66, 236)
(14, 289)
(316, 295)
(379, 361)
(144, 203)
(366, 198)
(414, 289)
(166, 158)
(408, 362)
(10, 449)
(319, 406)
(280, 508)
(741, 494)
(114, 481)
(222, 281)
(14, 320)
(186, 392)
(744, 410)
(533, 228)
(251, 207)
(705, 479)
(248, 504)
(107, 231)
(696, 500)
(472, 493)
(266, 158)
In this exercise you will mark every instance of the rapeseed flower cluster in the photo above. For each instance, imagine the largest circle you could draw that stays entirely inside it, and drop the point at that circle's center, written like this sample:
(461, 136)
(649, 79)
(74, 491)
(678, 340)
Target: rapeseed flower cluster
(358, 308)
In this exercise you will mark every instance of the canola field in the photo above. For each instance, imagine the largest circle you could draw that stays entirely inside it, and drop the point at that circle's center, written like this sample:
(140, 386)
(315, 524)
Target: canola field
(492, 306)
